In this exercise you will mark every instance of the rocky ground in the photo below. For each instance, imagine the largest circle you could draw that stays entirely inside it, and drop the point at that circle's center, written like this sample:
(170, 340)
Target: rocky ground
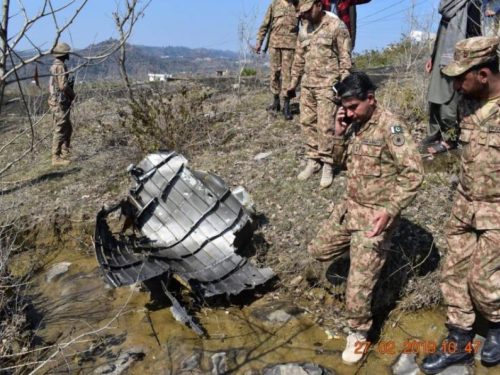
(245, 145)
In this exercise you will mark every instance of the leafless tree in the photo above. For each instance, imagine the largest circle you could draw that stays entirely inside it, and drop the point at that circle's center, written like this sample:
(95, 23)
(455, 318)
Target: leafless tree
(124, 22)
(246, 28)
(14, 60)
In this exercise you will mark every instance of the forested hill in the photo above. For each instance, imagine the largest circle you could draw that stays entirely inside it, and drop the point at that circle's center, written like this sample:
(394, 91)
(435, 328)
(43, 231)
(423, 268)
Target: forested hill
(141, 60)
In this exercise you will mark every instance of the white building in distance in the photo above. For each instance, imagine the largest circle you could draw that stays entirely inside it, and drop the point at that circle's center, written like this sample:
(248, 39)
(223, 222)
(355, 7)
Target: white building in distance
(418, 36)
(159, 77)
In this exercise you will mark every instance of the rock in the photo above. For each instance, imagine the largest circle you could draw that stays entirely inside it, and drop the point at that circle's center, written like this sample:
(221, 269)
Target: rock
(57, 271)
(405, 365)
(279, 316)
(190, 363)
(481, 339)
(277, 312)
(296, 281)
(262, 155)
(219, 361)
(122, 363)
(297, 369)
(456, 370)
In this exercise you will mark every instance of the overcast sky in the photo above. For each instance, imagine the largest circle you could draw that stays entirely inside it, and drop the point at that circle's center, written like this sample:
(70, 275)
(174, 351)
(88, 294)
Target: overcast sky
(214, 24)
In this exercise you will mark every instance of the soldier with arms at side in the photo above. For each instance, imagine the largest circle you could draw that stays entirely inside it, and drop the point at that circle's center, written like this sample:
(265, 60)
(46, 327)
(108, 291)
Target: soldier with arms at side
(471, 271)
(384, 171)
(61, 97)
(281, 24)
(322, 59)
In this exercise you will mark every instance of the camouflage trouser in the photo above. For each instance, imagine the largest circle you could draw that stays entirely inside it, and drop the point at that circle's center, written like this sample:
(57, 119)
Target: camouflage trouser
(316, 117)
(367, 255)
(281, 61)
(471, 273)
(62, 129)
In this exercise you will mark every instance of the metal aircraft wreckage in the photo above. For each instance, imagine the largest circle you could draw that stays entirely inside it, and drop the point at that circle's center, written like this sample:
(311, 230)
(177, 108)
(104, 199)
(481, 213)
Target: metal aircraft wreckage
(192, 226)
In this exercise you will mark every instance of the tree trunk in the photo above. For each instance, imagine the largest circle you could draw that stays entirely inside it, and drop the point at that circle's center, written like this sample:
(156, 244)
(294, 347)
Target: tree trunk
(4, 48)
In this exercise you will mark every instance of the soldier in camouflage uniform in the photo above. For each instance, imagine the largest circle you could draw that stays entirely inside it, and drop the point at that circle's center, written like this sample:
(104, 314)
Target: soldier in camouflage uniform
(385, 171)
(471, 272)
(322, 59)
(61, 96)
(281, 22)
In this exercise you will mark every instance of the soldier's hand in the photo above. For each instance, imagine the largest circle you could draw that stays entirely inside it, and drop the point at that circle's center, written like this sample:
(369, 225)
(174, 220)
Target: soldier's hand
(380, 219)
(428, 66)
(257, 48)
(341, 122)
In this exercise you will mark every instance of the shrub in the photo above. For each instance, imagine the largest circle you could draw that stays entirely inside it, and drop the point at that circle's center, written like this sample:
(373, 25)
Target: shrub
(181, 121)
(247, 72)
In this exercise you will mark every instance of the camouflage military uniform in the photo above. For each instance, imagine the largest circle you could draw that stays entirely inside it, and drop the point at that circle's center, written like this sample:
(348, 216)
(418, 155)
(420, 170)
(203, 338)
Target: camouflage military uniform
(384, 172)
(60, 103)
(473, 233)
(282, 22)
(322, 58)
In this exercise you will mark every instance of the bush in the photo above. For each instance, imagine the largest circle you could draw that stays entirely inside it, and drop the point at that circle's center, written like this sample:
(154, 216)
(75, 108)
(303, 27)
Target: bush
(247, 72)
(182, 121)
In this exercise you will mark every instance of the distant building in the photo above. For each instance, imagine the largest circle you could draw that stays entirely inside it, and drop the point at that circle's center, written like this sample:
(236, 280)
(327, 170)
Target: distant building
(158, 77)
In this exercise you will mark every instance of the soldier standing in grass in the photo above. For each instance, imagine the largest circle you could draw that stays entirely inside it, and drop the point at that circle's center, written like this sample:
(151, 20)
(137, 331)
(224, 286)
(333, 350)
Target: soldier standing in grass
(471, 272)
(281, 23)
(61, 96)
(322, 59)
(385, 171)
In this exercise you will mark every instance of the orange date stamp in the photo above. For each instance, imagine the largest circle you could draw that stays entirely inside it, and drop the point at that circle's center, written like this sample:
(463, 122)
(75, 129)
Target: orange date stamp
(413, 347)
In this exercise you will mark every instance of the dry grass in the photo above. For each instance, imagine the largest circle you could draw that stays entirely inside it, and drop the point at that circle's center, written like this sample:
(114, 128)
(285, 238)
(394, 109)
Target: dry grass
(222, 133)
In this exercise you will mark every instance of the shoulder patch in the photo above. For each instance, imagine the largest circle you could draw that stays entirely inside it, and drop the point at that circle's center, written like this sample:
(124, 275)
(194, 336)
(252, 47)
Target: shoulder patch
(396, 129)
(398, 139)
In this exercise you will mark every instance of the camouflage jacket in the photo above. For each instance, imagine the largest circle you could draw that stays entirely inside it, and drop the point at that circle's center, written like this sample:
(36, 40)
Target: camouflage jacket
(384, 167)
(60, 92)
(323, 54)
(478, 192)
(282, 22)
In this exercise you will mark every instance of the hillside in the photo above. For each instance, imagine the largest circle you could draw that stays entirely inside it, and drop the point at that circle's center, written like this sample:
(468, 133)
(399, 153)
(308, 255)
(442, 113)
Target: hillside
(142, 60)
(228, 132)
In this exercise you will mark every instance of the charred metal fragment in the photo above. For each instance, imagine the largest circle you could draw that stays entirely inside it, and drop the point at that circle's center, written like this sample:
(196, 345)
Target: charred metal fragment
(191, 225)
(180, 314)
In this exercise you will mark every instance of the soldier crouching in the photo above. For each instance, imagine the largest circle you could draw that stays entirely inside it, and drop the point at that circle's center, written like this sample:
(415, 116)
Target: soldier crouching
(384, 172)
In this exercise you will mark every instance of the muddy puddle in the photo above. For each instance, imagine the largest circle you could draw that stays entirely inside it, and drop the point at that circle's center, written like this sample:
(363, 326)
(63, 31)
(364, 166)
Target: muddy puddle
(101, 330)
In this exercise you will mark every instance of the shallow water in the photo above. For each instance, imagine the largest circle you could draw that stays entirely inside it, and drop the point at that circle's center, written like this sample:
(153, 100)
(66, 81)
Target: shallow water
(99, 322)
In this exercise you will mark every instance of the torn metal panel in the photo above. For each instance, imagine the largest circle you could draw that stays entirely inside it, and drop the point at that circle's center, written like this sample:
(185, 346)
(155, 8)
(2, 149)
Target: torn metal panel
(191, 224)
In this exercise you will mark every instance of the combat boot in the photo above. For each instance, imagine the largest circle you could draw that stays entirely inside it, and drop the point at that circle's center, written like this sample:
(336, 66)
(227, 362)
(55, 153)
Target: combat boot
(355, 347)
(327, 176)
(491, 347)
(57, 160)
(65, 153)
(456, 349)
(287, 113)
(276, 104)
(312, 167)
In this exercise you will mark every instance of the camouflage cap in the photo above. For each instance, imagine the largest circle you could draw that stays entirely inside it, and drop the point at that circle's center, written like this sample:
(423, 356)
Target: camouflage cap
(61, 49)
(306, 5)
(471, 52)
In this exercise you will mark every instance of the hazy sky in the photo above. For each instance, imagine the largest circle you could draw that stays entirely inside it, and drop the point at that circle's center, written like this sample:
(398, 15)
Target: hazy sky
(214, 24)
